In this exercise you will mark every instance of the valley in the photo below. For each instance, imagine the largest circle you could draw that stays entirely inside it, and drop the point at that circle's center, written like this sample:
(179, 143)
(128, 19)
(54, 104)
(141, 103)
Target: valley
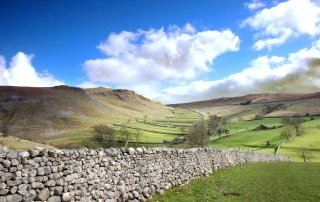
(64, 117)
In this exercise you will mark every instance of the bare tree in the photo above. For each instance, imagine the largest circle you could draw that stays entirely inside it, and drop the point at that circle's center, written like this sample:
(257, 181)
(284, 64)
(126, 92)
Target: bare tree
(305, 154)
(104, 135)
(223, 121)
(125, 136)
(287, 132)
(198, 136)
(215, 124)
(292, 126)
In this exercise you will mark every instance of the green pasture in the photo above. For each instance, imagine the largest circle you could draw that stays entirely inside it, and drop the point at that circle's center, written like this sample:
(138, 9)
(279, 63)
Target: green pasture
(154, 130)
(251, 140)
(309, 141)
(261, 182)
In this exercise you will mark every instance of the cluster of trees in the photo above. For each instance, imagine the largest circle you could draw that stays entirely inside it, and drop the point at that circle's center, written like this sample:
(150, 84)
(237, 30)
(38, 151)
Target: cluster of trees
(291, 127)
(106, 136)
(216, 125)
(198, 135)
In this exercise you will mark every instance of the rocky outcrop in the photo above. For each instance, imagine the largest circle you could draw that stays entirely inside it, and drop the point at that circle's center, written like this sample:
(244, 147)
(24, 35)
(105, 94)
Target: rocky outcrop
(109, 174)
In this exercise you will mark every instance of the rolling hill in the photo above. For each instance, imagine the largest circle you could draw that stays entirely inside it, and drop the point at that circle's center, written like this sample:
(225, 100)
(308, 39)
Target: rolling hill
(31, 112)
(265, 105)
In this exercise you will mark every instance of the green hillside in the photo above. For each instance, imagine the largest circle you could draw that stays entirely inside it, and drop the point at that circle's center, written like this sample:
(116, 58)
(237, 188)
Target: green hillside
(153, 130)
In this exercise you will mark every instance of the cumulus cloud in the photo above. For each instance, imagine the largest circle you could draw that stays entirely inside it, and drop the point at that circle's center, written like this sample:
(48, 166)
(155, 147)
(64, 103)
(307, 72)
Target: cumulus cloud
(254, 5)
(296, 73)
(283, 21)
(20, 72)
(159, 55)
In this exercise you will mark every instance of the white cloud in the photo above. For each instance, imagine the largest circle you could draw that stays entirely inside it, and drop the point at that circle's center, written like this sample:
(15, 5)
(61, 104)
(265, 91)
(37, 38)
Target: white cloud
(150, 90)
(21, 73)
(285, 20)
(159, 55)
(254, 5)
(299, 72)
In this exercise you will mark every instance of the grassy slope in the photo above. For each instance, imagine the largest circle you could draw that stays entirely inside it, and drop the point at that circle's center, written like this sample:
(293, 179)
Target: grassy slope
(243, 138)
(20, 144)
(252, 182)
(150, 131)
(309, 141)
(254, 140)
(36, 113)
(281, 104)
(251, 124)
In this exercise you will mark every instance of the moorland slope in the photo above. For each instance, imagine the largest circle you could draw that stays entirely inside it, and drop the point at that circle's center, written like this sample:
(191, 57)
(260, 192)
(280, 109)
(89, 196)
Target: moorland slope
(47, 111)
(265, 105)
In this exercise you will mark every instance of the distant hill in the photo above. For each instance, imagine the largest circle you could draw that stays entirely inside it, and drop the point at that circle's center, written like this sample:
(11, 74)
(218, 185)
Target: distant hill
(266, 104)
(33, 111)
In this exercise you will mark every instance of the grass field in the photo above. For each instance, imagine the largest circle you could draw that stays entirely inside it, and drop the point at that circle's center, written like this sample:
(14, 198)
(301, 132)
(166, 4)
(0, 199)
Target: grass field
(253, 140)
(20, 144)
(252, 182)
(242, 137)
(251, 124)
(309, 141)
(155, 130)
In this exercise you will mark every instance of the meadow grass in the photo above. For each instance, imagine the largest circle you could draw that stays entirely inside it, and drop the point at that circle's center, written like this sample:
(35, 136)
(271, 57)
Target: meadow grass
(70, 139)
(241, 136)
(309, 141)
(15, 143)
(277, 181)
(253, 140)
(251, 124)
(151, 128)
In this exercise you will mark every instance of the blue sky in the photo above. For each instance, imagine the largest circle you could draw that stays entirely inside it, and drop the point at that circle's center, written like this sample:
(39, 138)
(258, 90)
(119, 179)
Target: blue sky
(168, 51)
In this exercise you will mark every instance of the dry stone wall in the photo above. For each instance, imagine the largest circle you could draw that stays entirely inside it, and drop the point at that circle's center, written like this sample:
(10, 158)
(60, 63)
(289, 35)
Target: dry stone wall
(109, 174)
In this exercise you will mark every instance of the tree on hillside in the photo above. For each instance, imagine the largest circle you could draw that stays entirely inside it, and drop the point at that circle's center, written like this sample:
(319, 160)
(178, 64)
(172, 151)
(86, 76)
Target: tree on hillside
(224, 122)
(215, 123)
(198, 136)
(104, 135)
(291, 127)
(305, 154)
(125, 136)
